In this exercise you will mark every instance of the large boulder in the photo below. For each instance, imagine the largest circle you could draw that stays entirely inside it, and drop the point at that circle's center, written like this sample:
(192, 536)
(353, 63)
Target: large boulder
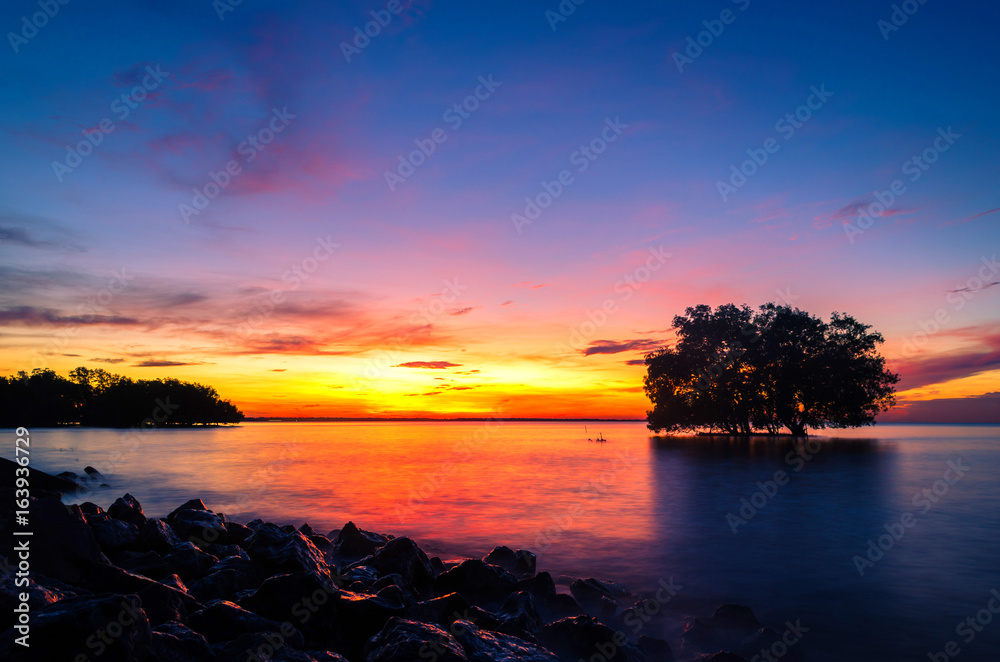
(196, 523)
(112, 535)
(477, 582)
(520, 563)
(406, 641)
(148, 564)
(402, 556)
(128, 509)
(112, 628)
(155, 535)
(176, 642)
(591, 592)
(308, 599)
(443, 611)
(355, 543)
(222, 621)
(282, 551)
(485, 646)
(189, 562)
(521, 610)
(584, 637)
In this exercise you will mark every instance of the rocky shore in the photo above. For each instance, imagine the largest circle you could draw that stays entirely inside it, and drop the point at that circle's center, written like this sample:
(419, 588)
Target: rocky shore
(116, 585)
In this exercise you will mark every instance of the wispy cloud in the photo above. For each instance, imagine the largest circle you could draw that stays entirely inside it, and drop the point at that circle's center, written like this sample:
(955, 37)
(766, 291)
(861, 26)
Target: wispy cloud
(429, 365)
(612, 347)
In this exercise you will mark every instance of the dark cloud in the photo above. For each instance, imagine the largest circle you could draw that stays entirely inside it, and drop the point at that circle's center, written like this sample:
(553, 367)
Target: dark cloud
(612, 347)
(980, 409)
(279, 369)
(636, 362)
(463, 311)
(921, 371)
(112, 361)
(47, 316)
(161, 364)
(431, 365)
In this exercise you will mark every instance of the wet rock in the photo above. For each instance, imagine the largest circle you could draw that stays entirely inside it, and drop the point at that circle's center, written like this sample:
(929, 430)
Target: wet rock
(405, 641)
(39, 597)
(308, 599)
(521, 610)
(195, 523)
(155, 535)
(149, 564)
(93, 473)
(283, 552)
(174, 582)
(269, 647)
(222, 584)
(589, 592)
(128, 509)
(584, 637)
(437, 565)
(111, 534)
(360, 616)
(306, 530)
(189, 562)
(237, 534)
(443, 611)
(698, 632)
(541, 585)
(477, 582)
(161, 602)
(175, 642)
(222, 621)
(402, 556)
(355, 543)
(409, 593)
(113, 627)
(656, 650)
(520, 563)
(89, 508)
(62, 546)
(224, 551)
(485, 646)
(360, 574)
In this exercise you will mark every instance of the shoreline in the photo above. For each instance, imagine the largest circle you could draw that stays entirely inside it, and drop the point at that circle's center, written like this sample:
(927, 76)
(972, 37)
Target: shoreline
(196, 586)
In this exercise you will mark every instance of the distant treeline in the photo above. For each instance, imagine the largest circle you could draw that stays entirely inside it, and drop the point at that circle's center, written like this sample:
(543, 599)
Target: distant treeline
(100, 399)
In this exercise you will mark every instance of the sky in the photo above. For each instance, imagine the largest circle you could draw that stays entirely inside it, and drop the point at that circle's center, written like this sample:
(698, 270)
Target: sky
(494, 206)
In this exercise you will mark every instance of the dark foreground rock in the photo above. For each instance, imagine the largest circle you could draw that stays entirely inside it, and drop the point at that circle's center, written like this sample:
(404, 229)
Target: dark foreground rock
(117, 584)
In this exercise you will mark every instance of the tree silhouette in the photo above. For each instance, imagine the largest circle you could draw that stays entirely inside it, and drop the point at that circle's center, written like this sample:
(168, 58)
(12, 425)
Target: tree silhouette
(736, 371)
(99, 398)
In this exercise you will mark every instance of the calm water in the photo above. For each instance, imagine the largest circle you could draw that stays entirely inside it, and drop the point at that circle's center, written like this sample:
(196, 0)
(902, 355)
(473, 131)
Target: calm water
(636, 509)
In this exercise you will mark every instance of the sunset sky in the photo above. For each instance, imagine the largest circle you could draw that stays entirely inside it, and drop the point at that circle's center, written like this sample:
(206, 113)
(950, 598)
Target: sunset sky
(337, 270)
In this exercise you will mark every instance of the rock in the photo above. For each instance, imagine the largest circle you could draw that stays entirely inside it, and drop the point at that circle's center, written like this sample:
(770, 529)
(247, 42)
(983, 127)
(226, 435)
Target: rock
(89, 508)
(361, 574)
(193, 522)
(63, 547)
(149, 564)
(269, 647)
(308, 599)
(722, 656)
(521, 610)
(189, 562)
(359, 616)
(588, 592)
(222, 584)
(520, 563)
(127, 509)
(283, 552)
(355, 543)
(541, 585)
(176, 642)
(39, 597)
(734, 617)
(477, 582)
(174, 582)
(161, 602)
(307, 530)
(113, 627)
(443, 611)
(221, 621)
(406, 641)
(485, 646)
(236, 534)
(402, 556)
(656, 650)
(396, 580)
(111, 534)
(93, 473)
(584, 636)
(224, 551)
(697, 632)
(155, 535)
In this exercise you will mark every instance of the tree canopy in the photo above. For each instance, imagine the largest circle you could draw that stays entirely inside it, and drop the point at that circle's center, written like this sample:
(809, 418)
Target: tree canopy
(737, 371)
(99, 398)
